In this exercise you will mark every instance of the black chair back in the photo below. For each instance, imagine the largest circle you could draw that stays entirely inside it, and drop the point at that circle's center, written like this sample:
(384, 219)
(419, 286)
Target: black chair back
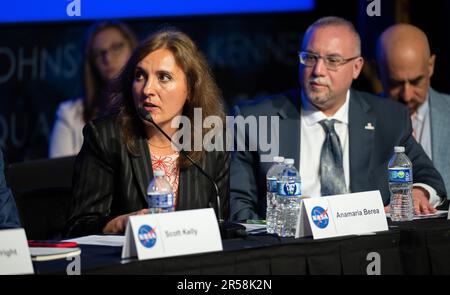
(43, 192)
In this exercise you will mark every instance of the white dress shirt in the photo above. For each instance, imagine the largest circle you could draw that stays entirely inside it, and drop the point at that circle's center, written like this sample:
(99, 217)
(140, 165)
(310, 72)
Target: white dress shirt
(67, 134)
(422, 127)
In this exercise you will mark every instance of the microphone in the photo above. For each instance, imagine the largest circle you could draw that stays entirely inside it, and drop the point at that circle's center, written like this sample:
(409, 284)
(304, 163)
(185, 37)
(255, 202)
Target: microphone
(227, 229)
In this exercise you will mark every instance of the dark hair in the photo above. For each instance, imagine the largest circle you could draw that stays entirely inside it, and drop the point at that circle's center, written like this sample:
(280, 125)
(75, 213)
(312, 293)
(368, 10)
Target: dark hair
(202, 90)
(95, 89)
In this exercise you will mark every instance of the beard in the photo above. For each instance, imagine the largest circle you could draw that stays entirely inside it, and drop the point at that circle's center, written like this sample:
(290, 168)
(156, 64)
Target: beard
(318, 98)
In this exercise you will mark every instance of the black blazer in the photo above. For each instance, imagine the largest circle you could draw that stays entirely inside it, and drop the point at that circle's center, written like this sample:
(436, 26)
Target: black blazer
(369, 149)
(108, 181)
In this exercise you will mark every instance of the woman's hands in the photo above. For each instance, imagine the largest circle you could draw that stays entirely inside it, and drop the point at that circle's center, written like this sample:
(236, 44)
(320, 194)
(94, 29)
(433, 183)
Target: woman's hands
(118, 224)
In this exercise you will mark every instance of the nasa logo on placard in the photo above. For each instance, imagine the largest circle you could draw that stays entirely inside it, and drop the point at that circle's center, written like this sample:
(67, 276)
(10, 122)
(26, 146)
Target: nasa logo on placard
(147, 236)
(320, 217)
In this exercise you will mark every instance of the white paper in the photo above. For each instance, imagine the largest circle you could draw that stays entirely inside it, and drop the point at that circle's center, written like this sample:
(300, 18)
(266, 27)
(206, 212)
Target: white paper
(14, 252)
(254, 228)
(100, 240)
(52, 253)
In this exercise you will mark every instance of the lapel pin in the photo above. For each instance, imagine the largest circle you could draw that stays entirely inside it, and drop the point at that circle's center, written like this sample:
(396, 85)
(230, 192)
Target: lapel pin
(369, 126)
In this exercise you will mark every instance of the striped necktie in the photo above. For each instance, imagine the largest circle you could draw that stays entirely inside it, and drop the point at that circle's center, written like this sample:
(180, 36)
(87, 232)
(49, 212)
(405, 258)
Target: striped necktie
(332, 177)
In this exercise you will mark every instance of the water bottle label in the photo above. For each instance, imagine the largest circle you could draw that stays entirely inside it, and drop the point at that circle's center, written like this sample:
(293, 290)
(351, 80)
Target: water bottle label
(272, 185)
(289, 189)
(401, 175)
(160, 201)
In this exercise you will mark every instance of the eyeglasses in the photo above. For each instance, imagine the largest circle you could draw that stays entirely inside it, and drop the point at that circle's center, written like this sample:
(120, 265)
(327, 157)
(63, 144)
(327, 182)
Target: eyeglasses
(115, 49)
(332, 62)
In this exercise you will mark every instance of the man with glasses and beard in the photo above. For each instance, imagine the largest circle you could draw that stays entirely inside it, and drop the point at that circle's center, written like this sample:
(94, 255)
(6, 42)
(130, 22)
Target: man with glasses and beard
(340, 139)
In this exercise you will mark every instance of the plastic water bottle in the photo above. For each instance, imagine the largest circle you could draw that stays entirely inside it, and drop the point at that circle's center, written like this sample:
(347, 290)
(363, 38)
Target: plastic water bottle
(271, 179)
(288, 200)
(400, 186)
(160, 194)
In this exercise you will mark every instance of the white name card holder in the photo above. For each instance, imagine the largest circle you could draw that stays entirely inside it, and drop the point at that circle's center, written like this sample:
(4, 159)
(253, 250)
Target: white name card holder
(14, 253)
(341, 215)
(172, 234)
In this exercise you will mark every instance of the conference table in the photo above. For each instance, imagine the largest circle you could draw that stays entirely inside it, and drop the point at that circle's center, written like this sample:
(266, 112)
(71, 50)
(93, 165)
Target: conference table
(415, 247)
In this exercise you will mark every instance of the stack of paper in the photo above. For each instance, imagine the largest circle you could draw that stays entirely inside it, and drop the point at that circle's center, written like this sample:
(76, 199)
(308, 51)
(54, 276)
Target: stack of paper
(253, 229)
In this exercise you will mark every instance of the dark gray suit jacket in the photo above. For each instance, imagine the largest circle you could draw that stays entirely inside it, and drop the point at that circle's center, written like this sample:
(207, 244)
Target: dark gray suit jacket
(108, 181)
(440, 133)
(370, 150)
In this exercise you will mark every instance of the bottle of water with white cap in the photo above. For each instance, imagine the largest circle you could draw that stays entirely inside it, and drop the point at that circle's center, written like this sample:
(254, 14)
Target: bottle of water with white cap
(400, 186)
(271, 180)
(288, 200)
(160, 194)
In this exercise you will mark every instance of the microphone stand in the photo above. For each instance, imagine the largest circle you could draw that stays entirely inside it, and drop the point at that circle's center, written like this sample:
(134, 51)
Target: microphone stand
(227, 229)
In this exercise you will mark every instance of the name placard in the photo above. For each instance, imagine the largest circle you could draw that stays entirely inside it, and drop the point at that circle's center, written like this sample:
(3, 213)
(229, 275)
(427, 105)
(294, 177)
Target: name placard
(14, 253)
(342, 215)
(171, 234)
